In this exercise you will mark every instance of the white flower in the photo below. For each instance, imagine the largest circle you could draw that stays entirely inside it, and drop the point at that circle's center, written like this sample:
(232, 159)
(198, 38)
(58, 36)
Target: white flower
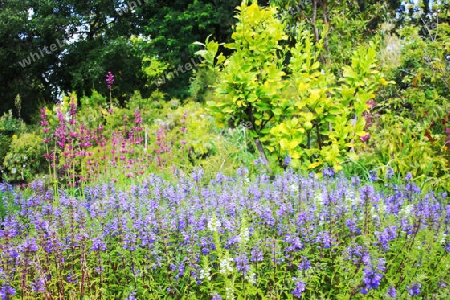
(408, 209)
(225, 265)
(13, 170)
(293, 188)
(205, 273)
(229, 293)
(245, 234)
(251, 277)
(355, 200)
(373, 211)
(213, 224)
(318, 197)
(443, 238)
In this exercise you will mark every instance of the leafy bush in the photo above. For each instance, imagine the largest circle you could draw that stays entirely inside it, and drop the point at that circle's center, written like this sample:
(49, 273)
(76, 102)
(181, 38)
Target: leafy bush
(410, 118)
(300, 111)
(26, 157)
(9, 123)
(5, 143)
(401, 145)
(195, 140)
(8, 127)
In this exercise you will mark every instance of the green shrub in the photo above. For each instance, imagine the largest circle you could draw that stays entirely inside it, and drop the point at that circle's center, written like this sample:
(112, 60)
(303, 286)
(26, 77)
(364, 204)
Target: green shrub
(10, 124)
(5, 142)
(409, 132)
(399, 143)
(25, 158)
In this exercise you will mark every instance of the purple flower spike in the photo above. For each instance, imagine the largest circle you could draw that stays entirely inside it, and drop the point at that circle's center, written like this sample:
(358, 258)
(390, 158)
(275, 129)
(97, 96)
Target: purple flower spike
(300, 287)
(372, 279)
(391, 292)
(109, 79)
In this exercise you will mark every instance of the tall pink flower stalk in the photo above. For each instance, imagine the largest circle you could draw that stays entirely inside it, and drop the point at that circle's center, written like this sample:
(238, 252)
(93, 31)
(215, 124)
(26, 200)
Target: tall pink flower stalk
(109, 83)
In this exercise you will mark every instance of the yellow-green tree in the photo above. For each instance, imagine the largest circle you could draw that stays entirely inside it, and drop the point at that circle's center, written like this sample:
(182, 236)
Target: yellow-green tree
(297, 109)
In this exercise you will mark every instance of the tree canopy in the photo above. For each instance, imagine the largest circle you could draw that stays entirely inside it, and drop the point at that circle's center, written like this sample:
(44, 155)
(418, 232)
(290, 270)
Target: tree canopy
(57, 46)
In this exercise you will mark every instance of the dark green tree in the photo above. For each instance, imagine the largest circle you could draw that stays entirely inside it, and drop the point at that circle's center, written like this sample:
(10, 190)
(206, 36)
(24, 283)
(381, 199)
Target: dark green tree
(65, 45)
(173, 27)
(29, 32)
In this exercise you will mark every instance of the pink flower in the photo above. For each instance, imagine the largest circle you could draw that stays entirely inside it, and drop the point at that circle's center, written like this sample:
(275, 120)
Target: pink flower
(137, 117)
(371, 103)
(364, 138)
(109, 80)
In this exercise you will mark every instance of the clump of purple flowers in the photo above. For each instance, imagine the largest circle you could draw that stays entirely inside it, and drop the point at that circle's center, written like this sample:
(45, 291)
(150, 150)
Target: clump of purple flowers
(414, 289)
(299, 287)
(373, 273)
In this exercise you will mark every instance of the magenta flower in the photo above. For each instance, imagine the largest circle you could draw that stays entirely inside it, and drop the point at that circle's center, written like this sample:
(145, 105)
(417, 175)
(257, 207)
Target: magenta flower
(44, 121)
(371, 103)
(109, 79)
(365, 138)
(137, 120)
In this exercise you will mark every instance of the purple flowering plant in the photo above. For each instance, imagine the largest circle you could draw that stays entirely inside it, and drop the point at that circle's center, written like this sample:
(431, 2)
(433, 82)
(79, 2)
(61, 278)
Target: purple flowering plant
(224, 237)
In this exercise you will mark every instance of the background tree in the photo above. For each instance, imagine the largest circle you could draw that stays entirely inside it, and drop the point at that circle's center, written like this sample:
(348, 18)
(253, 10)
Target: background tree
(96, 39)
(27, 27)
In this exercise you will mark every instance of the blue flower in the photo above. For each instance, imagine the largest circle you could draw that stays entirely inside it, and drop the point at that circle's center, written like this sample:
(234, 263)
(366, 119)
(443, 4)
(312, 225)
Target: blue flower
(373, 176)
(386, 236)
(328, 172)
(287, 160)
(355, 180)
(447, 247)
(197, 174)
(371, 278)
(6, 290)
(299, 288)
(389, 173)
(414, 289)
(391, 292)
(242, 263)
(305, 264)
(30, 245)
(131, 296)
(408, 177)
(216, 296)
(352, 226)
(37, 286)
(373, 271)
(257, 255)
(98, 244)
